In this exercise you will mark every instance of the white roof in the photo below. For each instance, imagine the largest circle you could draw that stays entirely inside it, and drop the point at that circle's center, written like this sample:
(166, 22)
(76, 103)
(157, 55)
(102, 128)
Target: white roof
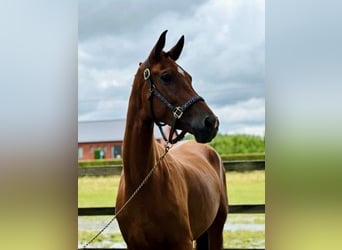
(104, 131)
(100, 131)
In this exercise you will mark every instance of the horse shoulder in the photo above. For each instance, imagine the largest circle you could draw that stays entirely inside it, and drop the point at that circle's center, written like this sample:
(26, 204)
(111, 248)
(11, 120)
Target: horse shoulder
(196, 152)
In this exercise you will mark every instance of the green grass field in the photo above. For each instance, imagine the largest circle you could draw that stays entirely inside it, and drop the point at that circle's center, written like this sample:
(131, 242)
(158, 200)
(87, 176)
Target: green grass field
(243, 188)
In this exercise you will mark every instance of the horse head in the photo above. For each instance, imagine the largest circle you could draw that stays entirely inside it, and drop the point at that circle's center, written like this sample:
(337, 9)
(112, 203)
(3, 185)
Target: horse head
(172, 99)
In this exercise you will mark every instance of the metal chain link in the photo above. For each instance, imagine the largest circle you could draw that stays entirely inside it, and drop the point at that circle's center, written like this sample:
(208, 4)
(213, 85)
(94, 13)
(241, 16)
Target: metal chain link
(166, 150)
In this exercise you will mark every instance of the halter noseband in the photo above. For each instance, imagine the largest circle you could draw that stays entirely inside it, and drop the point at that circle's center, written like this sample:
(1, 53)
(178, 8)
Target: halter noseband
(177, 111)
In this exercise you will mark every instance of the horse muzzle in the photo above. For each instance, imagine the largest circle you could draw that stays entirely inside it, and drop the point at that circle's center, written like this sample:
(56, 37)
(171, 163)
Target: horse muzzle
(207, 129)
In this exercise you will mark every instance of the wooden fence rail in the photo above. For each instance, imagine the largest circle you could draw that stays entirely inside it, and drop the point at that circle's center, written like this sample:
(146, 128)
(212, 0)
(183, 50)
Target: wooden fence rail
(116, 169)
(233, 209)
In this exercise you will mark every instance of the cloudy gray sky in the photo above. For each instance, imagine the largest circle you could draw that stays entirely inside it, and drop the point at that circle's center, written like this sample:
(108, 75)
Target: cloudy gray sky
(224, 52)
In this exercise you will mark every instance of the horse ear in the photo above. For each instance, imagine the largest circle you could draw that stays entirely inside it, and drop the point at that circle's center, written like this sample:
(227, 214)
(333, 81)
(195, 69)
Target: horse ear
(175, 52)
(157, 49)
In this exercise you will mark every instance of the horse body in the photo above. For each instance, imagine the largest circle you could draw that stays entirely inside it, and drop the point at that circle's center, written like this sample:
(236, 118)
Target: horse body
(185, 197)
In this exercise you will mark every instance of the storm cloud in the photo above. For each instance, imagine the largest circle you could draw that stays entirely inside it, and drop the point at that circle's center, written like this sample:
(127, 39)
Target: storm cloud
(224, 52)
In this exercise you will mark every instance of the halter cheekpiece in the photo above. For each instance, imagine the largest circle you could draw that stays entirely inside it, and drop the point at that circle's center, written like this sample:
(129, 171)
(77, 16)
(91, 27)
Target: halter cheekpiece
(177, 111)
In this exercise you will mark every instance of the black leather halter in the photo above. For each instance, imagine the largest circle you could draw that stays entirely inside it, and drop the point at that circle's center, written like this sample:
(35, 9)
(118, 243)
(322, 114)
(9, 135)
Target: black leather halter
(177, 111)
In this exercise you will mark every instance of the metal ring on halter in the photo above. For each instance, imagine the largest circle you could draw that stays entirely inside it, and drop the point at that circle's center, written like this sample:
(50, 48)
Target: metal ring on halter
(147, 74)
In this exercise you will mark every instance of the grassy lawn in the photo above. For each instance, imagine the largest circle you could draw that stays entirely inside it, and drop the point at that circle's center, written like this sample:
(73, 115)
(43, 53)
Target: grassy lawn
(243, 188)
(97, 191)
(246, 187)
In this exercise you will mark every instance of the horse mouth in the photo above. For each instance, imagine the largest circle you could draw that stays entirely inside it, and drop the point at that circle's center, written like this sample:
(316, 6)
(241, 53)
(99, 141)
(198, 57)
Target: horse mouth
(205, 136)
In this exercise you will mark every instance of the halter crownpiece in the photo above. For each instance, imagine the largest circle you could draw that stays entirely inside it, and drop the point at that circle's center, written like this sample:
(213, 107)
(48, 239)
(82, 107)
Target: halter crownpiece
(176, 111)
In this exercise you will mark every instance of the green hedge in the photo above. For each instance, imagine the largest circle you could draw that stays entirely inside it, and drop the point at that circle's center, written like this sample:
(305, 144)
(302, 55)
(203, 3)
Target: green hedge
(99, 162)
(226, 157)
(243, 157)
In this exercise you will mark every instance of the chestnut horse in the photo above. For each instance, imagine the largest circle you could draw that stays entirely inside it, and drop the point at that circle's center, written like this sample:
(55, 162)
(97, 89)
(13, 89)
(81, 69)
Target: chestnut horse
(185, 199)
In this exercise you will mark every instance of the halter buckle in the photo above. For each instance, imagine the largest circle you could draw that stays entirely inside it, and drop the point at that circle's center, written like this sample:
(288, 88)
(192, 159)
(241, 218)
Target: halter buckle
(178, 112)
(147, 73)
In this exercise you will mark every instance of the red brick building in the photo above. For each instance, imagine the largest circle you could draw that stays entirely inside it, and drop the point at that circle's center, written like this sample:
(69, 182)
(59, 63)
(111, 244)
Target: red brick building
(105, 136)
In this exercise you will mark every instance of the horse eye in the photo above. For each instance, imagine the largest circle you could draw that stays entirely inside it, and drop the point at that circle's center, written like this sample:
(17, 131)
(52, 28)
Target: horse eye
(166, 77)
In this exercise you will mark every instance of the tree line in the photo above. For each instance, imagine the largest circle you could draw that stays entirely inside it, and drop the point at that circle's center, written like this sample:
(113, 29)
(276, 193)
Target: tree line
(238, 144)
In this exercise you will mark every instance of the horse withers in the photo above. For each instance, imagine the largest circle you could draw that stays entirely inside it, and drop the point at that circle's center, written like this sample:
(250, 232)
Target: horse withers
(185, 198)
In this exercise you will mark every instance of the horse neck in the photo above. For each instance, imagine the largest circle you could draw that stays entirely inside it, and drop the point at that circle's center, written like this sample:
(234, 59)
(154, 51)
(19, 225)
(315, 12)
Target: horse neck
(139, 149)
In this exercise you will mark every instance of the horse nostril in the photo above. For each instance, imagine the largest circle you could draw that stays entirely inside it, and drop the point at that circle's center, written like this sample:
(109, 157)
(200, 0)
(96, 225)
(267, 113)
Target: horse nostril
(210, 122)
